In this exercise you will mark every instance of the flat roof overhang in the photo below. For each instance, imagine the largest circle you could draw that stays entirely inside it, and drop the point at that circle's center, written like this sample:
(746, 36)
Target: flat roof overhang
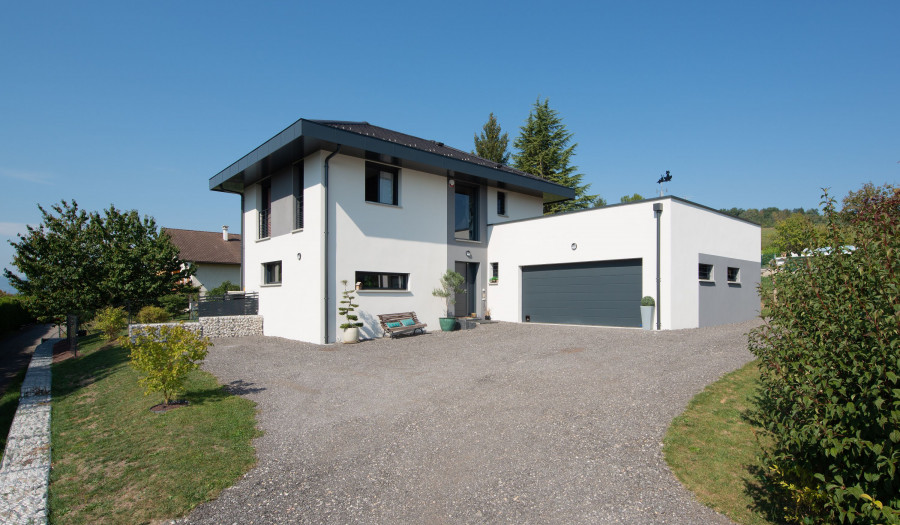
(305, 137)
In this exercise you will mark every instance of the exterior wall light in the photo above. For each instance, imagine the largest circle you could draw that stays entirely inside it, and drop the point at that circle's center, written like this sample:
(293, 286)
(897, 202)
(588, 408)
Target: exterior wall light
(298, 256)
(574, 246)
(468, 254)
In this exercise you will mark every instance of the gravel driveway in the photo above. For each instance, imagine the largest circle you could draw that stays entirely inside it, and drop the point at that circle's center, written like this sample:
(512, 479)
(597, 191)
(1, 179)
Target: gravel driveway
(506, 423)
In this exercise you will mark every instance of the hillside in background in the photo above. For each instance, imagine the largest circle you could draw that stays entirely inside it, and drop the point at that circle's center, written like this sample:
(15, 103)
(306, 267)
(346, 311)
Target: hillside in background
(769, 217)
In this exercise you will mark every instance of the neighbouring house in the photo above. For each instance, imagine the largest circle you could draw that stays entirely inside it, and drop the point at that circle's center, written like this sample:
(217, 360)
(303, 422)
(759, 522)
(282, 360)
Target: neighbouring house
(331, 201)
(216, 256)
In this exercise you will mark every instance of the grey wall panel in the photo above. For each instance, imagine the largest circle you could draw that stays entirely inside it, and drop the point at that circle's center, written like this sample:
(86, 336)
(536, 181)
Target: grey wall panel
(596, 293)
(722, 302)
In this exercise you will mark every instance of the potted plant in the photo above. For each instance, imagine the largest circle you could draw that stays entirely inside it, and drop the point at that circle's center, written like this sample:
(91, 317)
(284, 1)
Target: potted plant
(487, 314)
(351, 327)
(494, 280)
(451, 284)
(647, 304)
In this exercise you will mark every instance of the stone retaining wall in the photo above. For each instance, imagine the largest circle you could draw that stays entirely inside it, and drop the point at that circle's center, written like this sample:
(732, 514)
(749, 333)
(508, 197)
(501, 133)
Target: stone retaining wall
(212, 327)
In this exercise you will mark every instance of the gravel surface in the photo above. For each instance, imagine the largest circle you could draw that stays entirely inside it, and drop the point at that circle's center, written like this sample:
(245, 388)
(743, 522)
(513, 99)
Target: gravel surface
(506, 423)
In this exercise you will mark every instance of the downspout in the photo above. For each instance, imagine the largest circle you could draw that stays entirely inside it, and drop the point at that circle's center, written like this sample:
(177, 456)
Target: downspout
(244, 238)
(325, 243)
(657, 211)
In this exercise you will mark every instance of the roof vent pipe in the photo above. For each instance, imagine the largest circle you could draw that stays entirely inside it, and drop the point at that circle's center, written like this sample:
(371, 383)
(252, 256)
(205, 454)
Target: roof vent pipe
(225, 233)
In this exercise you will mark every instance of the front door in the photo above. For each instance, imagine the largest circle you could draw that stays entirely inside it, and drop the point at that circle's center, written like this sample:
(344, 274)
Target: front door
(465, 301)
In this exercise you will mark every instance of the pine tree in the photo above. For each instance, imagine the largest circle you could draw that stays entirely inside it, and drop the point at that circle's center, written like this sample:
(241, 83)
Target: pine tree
(544, 150)
(491, 145)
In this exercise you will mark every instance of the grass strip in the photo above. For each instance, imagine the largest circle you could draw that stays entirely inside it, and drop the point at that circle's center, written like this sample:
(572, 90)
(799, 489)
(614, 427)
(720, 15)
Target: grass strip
(714, 451)
(114, 461)
(9, 403)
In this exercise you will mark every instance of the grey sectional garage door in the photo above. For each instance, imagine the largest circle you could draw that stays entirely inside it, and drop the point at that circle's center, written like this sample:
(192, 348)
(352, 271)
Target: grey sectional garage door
(599, 293)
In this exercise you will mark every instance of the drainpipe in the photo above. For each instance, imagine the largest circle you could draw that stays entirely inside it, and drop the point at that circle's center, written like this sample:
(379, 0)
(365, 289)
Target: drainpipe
(325, 243)
(657, 211)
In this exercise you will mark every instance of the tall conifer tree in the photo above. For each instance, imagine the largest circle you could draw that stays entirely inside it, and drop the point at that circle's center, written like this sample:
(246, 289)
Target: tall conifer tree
(544, 150)
(492, 145)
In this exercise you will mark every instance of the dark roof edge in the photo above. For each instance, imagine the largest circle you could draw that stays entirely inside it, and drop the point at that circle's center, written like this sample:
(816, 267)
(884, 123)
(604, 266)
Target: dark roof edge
(312, 129)
(654, 199)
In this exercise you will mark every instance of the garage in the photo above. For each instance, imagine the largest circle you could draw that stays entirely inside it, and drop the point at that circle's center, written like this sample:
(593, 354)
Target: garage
(606, 293)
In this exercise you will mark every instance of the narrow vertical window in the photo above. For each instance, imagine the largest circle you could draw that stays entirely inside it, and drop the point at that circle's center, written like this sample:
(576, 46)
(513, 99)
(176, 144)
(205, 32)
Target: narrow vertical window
(298, 197)
(495, 272)
(466, 213)
(501, 203)
(265, 210)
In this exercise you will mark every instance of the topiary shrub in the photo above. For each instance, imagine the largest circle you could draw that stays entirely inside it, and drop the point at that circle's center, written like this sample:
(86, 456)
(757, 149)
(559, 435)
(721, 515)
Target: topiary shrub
(830, 364)
(165, 355)
(111, 321)
(153, 314)
(647, 301)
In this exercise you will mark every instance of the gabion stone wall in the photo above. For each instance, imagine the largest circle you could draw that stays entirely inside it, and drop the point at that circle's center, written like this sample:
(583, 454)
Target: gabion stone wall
(232, 325)
(224, 326)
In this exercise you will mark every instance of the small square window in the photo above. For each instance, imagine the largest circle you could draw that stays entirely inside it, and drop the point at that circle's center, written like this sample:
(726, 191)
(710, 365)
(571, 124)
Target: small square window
(734, 275)
(706, 272)
(382, 183)
(501, 203)
(272, 272)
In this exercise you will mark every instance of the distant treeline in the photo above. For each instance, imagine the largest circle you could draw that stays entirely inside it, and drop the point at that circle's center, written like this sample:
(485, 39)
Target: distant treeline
(769, 217)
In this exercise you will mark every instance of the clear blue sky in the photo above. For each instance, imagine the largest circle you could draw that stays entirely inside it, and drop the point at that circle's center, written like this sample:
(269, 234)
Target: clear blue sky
(748, 104)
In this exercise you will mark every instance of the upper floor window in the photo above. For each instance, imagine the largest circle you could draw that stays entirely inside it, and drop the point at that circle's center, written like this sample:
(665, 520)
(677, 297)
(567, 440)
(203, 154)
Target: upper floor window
(382, 183)
(298, 197)
(265, 210)
(501, 203)
(466, 213)
(706, 272)
(382, 281)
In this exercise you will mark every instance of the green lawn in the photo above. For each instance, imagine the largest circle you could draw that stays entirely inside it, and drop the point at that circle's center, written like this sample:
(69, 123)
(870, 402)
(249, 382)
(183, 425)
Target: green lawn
(116, 462)
(714, 451)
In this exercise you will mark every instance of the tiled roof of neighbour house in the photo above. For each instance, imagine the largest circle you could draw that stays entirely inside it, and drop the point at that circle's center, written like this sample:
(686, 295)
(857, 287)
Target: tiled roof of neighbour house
(431, 146)
(206, 247)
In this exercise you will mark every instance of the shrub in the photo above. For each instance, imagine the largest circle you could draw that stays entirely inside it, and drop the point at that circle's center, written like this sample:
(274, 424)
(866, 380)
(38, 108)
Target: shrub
(830, 371)
(111, 321)
(647, 301)
(165, 355)
(223, 288)
(13, 314)
(153, 314)
(174, 304)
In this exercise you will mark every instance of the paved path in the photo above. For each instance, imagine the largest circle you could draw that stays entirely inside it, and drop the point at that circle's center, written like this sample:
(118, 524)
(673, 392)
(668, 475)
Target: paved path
(507, 423)
(16, 350)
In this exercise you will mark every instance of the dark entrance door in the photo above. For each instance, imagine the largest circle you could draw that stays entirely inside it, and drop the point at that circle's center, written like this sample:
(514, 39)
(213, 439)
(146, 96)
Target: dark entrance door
(465, 302)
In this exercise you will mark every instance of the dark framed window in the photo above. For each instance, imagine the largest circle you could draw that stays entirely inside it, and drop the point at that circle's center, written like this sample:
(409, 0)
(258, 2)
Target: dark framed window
(382, 183)
(466, 213)
(734, 275)
(495, 272)
(382, 281)
(272, 272)
(298, 197)
(706, 272)
(265, 210)
(501, 203)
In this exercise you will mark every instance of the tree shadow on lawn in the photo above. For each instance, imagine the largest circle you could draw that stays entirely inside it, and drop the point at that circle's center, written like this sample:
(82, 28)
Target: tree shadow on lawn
(72, 375)
(212, 395)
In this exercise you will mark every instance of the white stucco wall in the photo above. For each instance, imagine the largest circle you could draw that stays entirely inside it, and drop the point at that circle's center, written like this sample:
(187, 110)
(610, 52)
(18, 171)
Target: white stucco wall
(621, 232)
(409, 238)
(518, 206)
(293, 309)
(695, 230)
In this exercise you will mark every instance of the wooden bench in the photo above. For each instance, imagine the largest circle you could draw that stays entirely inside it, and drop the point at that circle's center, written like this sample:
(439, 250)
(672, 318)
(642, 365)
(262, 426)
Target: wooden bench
(384, 319)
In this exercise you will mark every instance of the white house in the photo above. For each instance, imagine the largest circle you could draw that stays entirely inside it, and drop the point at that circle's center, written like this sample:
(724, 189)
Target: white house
(215, 256)
(328, 201)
